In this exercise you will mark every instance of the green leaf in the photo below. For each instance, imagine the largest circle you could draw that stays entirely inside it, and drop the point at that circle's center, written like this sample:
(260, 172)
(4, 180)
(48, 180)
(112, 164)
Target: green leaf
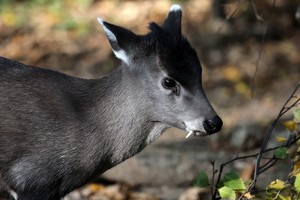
(297, 115)
(227, 193)
(284, 197)
(297, 183)
(281, 153)
(202, 179)
(233, 181)
(277, 185)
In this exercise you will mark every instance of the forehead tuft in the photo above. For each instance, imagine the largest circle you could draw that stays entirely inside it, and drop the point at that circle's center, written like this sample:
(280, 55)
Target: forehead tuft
(176, 56)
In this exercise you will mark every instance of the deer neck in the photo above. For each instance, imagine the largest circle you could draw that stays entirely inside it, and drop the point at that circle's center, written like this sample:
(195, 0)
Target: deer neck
(119, 119)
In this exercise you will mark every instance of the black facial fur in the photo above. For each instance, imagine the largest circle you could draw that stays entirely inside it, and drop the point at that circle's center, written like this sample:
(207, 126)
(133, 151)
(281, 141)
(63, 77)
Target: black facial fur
(176, 56)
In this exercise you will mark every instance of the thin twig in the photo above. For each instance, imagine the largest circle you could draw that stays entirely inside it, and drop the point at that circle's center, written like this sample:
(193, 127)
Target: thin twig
(258, 17)
(257, 62)
(267, 166)
(259, 156)
(228, 17)
(290, 142)
(240, 158)
(283, 110)
(213, 188)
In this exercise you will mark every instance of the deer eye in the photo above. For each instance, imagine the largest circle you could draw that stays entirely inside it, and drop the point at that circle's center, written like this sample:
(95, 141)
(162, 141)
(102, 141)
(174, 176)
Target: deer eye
(170, 84)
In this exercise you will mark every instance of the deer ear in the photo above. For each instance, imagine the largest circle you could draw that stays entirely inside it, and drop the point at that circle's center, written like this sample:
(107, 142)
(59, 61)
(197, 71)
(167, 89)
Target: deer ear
(120, 40)
(173, 21)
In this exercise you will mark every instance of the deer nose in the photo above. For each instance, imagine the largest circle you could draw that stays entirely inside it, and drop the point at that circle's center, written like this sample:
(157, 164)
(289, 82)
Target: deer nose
(213, 125)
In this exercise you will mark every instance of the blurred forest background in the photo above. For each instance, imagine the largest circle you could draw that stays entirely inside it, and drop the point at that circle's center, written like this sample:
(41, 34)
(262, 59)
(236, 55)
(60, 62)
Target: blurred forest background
(250, 52)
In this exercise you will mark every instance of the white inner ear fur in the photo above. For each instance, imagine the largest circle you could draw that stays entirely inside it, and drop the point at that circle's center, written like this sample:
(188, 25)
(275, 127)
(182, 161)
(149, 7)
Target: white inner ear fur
(13, 194)
(175, 8)
(121, 54)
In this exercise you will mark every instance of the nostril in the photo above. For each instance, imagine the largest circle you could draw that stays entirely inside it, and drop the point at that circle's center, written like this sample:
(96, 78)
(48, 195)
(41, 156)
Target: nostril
(213, 125)
(210, 125)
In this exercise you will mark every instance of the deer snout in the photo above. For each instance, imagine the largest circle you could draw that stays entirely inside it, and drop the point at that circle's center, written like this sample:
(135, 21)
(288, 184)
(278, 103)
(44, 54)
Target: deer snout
(213, 125)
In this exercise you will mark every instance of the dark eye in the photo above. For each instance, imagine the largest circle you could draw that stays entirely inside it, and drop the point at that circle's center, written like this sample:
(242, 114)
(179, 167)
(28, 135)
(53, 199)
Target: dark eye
(170, 84)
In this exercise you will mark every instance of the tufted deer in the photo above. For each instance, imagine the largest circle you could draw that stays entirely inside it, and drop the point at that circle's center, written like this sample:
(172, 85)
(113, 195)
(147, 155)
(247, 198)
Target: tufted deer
(57, 132)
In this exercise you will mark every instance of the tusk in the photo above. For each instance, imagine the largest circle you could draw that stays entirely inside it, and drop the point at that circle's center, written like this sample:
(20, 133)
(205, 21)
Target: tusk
(189, 134)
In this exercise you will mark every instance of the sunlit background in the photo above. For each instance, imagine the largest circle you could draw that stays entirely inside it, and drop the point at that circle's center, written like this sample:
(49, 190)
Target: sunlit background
(250, 54)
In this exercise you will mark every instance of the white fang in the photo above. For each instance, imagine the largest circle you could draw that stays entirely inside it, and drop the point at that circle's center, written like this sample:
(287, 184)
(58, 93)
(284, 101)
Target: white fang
(189, 134)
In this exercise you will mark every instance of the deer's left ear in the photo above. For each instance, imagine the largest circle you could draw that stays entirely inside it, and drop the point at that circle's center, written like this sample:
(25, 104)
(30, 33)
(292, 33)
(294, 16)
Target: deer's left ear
(173, 21)
(120, 40)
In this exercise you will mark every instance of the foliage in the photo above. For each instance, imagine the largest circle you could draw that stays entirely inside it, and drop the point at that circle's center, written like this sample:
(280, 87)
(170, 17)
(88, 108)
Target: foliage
(233, 181)
(202, 179)
(231, 186)
(56, 13)
(281, 153)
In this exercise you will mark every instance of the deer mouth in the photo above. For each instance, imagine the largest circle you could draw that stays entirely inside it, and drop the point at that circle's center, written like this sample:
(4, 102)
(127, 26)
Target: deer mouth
(195, 133)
